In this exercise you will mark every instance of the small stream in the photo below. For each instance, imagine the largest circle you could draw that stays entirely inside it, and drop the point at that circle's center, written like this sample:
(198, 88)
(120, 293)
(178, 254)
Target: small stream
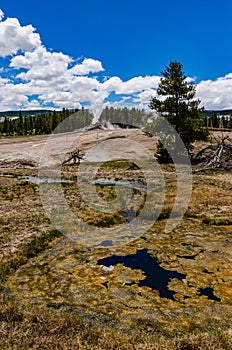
(130, 184)
(49, 180)
(35, 179)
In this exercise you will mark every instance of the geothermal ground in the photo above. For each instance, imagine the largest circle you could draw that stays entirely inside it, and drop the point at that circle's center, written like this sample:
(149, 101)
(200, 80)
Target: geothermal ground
(153, 281)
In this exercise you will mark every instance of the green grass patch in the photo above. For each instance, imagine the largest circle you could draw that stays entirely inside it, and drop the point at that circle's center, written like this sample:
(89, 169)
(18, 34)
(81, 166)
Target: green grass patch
(216, 221)
(190, 215)
(122, 164)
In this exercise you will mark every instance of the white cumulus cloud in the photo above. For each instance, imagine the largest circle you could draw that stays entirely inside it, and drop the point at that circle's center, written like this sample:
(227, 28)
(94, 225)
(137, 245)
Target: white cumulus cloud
(14, 37)
(41, 64)
(37, 77)
(88, 65)
(131, 86)
(145, 96)
(216, 94)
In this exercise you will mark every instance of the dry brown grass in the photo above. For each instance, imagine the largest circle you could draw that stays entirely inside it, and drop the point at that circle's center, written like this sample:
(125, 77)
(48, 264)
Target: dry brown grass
(23, 221)
(211, 197)
(40, 329)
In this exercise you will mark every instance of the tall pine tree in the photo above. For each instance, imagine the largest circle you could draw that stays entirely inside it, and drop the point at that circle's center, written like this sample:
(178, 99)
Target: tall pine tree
(179, 107)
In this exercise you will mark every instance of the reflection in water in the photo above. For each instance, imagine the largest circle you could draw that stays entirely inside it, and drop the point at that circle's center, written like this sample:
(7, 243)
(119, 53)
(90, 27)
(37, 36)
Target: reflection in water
(106, 243)
(35, 179)
(39, 180)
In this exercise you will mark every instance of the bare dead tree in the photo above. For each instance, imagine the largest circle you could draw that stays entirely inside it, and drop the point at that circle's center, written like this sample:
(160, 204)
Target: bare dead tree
(218, 155)
(133, 166)
(76, 156)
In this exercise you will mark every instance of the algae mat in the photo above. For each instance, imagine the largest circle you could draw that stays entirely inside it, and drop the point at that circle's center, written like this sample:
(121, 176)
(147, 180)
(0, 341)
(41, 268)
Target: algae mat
(68, 276)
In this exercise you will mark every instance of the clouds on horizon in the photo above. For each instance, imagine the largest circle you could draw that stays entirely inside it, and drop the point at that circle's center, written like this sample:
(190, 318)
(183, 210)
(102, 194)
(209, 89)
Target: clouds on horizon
(36, 77)
(216, 94)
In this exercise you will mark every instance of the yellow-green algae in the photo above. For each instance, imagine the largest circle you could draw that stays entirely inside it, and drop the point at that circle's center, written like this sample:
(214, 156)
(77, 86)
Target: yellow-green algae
(68, 276)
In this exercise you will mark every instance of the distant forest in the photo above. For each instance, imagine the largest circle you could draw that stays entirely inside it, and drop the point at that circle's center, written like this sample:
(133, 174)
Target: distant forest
(45, 122)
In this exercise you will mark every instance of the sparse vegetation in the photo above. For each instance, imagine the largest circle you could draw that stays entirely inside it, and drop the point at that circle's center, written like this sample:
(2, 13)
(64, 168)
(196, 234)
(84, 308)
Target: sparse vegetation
(42, 272)
(42, 329)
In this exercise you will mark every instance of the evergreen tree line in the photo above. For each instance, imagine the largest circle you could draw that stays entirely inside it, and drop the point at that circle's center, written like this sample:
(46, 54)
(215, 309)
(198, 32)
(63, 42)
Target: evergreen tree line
(46, 123)
(125, 116)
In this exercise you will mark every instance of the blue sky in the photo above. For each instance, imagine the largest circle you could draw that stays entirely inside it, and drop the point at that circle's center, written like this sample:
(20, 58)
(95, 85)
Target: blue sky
(122, 42)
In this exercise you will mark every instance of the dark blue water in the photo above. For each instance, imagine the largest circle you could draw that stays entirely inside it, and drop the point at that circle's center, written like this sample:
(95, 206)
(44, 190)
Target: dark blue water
(157, 277)
(191, 257)
(208, 292)
(106, 243)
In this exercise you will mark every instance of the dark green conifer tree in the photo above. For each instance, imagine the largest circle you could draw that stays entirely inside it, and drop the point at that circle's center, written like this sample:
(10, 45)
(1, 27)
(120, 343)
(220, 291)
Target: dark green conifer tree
(6, 126)
(20, 124)
(179, 107)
